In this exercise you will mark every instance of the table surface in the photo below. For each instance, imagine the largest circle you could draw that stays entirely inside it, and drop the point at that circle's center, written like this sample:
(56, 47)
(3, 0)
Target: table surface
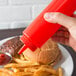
(16, 32)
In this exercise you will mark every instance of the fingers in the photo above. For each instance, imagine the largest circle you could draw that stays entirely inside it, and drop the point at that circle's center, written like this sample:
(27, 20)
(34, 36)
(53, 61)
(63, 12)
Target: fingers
(55, 17)
(72, 31)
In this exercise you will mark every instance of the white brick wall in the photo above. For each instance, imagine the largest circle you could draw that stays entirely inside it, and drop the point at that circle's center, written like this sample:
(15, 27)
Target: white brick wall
(3, 2)
(19, 13)
(23, 2)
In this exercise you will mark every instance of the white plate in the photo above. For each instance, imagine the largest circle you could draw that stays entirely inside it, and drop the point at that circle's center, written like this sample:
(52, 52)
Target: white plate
(66, 63)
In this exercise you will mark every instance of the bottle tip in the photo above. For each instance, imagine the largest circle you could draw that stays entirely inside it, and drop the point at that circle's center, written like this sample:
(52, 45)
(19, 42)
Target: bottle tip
(22, 49)
(20, 52)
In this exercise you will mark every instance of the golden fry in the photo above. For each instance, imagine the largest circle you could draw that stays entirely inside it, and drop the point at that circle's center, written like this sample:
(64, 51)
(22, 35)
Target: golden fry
(40, 72)
(46, 66)
(60, 71)
(15, 69)
(51, 71)
(30, 70)
(20, 61)
(26, 58)
(22, 74)
(11, 65)
(22, 57)
(53, 75)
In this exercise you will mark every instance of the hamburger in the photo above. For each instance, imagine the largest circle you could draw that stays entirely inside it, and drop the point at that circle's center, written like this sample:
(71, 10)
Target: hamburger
(49, 53)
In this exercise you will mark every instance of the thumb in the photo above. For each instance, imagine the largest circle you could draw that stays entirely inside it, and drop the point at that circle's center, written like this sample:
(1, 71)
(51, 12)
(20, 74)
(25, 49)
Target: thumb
(56, 17)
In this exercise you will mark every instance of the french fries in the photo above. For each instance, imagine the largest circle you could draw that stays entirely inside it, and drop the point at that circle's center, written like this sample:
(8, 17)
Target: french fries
(5, 72)
(24, 62)
(22, 67)
(15, 65)
(22, 57)
(45, 71)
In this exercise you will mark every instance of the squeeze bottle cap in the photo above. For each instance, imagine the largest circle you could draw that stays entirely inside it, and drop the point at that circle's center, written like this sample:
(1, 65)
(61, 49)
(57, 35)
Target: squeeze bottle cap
(39, 31)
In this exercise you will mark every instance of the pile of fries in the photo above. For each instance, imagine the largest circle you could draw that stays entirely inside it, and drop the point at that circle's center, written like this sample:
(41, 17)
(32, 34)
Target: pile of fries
(21, 67)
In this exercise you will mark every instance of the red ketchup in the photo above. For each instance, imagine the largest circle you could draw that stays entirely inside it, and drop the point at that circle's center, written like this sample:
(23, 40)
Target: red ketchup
(39, 31)
(4, 59)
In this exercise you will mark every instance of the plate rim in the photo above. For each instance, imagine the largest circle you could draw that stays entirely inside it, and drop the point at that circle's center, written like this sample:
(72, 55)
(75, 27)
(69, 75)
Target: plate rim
(70, 56)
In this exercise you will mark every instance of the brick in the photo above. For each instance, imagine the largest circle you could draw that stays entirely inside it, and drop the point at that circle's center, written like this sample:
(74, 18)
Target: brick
(14, 13)
(36, 10)
(21, 13)
(20, 24)
(3, 2)
(21, 2)
(4, 26)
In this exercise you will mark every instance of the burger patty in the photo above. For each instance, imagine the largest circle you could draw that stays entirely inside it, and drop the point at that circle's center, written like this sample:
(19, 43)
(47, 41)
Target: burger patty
(12, 46)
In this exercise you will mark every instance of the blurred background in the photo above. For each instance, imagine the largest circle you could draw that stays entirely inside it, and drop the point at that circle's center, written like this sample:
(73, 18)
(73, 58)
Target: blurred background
(19, 13)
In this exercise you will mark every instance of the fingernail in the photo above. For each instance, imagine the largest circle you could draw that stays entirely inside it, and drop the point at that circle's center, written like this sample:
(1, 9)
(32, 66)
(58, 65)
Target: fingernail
(49, 16)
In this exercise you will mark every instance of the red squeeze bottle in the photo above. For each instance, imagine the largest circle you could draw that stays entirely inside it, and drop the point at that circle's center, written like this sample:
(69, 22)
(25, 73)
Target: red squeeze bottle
(39, 31)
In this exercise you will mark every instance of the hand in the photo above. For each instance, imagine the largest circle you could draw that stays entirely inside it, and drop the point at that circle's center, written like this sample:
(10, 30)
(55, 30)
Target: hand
(68, 22)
